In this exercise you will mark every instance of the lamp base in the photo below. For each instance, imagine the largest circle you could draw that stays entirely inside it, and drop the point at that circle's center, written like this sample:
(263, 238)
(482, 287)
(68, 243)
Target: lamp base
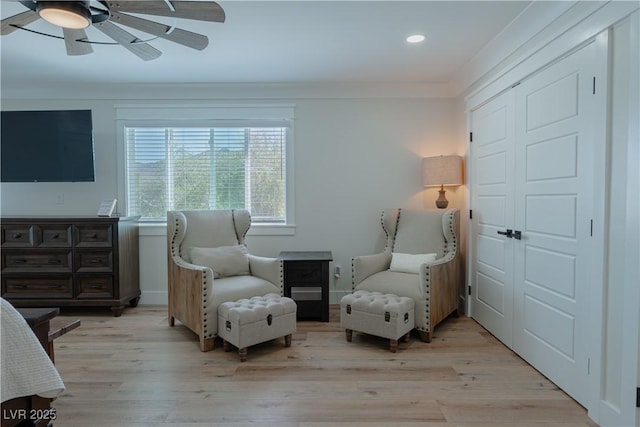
(442, 201)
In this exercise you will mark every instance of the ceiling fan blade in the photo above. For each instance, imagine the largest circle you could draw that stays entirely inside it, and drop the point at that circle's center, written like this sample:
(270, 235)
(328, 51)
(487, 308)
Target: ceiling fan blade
(198, 10)
(143, 50)
(10, 24)
(183, 37)
(75, 47)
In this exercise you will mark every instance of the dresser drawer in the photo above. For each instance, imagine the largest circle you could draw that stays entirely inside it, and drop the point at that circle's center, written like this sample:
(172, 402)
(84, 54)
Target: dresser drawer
(93, 235)
(94, 261)
(94, 286)
(56, 235)
(33, 261)
(303, 272)
(19, 236)
(34, 288)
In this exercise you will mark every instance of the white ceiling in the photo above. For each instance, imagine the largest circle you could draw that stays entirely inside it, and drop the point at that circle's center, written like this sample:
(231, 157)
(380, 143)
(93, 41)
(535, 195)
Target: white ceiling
(278, 42)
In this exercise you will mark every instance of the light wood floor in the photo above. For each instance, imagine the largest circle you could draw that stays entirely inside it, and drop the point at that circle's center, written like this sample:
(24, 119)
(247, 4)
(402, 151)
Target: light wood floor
(136, 371)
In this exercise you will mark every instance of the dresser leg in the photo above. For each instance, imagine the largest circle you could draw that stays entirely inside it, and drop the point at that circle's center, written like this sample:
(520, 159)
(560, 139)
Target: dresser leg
(134, 302)
(117, 310)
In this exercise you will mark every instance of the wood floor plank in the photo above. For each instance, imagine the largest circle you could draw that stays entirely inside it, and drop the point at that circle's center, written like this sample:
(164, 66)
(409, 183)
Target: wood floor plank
(511, 411)
(135, 371)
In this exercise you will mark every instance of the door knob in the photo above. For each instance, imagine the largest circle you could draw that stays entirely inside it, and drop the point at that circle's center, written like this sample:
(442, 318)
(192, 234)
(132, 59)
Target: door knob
(506, 233)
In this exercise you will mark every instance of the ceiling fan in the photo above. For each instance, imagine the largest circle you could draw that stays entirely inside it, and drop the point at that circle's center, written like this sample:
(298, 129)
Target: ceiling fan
(108, 17)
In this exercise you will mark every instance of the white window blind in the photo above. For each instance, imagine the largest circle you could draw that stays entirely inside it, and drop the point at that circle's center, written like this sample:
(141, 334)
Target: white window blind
(206, 168)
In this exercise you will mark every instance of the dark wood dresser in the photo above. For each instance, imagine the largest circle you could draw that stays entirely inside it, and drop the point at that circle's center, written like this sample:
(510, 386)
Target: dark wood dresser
(70, 261)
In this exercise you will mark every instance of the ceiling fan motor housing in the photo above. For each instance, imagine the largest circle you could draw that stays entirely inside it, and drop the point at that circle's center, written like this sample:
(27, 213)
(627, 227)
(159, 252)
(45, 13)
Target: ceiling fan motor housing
(66, 14)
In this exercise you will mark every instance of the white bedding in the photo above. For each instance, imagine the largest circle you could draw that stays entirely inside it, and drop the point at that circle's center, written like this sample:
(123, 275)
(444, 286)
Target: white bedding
(26, 367)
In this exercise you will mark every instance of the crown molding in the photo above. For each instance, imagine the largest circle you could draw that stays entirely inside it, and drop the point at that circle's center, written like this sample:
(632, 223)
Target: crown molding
(195, 91)
(533, 21)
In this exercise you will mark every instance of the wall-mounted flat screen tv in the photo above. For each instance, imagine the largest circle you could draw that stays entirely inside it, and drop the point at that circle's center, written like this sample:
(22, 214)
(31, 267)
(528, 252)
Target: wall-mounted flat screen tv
(46, 146)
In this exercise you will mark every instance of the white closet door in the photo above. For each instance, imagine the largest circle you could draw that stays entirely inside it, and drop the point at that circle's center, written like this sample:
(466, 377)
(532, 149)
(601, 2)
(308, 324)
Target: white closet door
(554, 137)
(492, 157)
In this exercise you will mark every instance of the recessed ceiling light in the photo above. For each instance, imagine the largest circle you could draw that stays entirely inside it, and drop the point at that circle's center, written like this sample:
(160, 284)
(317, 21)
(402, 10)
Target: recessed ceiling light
(416, 38)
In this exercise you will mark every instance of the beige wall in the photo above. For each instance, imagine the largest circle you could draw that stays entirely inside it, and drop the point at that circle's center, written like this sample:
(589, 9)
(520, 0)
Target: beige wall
(353, 158)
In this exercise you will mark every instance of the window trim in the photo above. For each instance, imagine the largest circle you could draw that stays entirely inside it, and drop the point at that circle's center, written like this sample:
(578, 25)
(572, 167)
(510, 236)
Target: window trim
(232, 114)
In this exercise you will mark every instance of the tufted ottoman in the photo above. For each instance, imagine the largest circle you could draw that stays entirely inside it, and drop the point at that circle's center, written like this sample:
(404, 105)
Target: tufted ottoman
(375, 313)
(251, 321)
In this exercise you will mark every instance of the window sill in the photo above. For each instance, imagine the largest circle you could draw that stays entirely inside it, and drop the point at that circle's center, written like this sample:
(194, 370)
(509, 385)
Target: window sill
(160, 229)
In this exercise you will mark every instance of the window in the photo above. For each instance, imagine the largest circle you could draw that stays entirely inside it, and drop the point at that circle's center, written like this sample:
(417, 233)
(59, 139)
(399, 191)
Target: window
(217, 167)
(175, 161)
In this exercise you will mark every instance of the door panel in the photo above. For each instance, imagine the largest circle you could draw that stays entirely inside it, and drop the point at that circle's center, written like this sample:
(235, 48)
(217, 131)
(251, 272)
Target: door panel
(563, 164)
(563, 90)
(492, 254)
(551, 215)
(491, 293)
(553, 207)
(561, 279)
(550, 328)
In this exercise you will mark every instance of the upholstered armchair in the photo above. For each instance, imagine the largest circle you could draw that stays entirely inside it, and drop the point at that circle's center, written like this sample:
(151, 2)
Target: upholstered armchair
(209, 264)
(420, 260)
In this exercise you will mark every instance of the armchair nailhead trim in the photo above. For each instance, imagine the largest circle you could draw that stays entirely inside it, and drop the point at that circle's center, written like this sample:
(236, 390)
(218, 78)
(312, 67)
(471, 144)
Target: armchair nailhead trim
(353, 275)
(396, 229)
(386, 240)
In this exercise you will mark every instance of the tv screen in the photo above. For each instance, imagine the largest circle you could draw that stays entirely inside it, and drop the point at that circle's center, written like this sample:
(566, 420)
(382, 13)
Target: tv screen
(46, 146)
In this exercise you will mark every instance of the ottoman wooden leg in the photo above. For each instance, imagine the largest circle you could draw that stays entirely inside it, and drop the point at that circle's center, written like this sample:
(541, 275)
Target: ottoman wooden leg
(243, 354)
(405, 337)
(287, 340)
(349, 334)
(393, 345)
(226, 345)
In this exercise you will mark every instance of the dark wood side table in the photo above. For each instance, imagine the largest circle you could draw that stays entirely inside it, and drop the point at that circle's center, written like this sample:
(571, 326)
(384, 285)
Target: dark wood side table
(306, 281)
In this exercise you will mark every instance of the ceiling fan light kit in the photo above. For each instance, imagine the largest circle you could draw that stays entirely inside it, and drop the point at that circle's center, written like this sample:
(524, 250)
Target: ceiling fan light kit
(66, 14)
(73, 17)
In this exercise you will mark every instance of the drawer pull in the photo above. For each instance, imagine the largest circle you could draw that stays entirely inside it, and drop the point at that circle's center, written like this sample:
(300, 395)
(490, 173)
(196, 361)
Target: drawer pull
(17, 236)
(94, 236)
(94, 286)
(20, 286)
(19, 261)
(95, 261)
(55, 236)
(54, 261)
(52, 286)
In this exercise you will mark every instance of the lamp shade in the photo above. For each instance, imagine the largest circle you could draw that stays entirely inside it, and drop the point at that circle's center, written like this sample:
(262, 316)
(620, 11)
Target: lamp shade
(442, 170)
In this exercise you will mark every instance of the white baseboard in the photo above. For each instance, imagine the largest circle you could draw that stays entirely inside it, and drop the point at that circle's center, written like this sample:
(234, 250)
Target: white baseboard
(154, 297)
(335, 295)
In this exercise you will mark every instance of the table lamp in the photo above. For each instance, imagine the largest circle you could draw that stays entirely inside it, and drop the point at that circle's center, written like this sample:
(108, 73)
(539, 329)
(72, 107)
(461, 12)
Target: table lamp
(441, 171)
